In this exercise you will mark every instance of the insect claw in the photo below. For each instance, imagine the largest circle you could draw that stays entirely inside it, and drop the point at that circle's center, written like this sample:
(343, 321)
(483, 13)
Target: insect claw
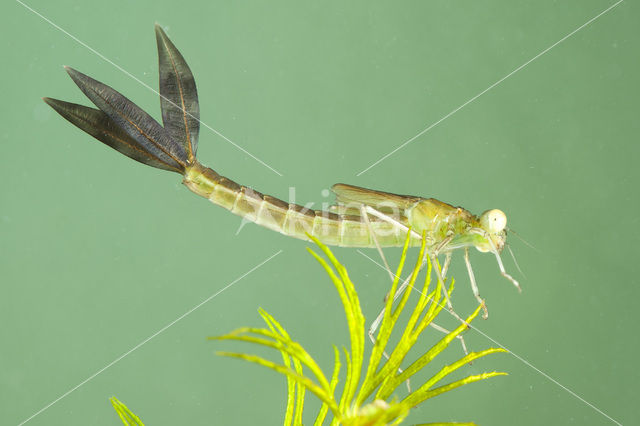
(485, 314)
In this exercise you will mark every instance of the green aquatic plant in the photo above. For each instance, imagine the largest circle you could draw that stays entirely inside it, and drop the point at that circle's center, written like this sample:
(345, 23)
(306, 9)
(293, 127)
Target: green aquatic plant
(368, 394)
(127, 417)
(370, 400)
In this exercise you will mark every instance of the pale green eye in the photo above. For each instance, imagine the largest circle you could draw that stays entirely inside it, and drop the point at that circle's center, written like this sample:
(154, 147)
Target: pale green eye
(493, 221)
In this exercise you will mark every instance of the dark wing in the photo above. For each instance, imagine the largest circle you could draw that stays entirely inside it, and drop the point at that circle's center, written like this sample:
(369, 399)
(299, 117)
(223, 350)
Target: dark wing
(100, 126)
(349, 198)
(137, 124)
(178, 96)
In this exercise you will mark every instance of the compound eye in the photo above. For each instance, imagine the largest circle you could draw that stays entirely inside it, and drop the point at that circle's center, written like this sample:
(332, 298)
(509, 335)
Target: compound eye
(493, 221)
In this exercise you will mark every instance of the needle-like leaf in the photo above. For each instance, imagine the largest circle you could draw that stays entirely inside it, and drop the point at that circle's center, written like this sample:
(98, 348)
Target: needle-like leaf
(354, 406)
(127, 417)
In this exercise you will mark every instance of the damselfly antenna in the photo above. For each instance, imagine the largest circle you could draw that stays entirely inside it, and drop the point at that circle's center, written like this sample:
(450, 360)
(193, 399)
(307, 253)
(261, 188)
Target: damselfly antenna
(513, 256)
(511, 231)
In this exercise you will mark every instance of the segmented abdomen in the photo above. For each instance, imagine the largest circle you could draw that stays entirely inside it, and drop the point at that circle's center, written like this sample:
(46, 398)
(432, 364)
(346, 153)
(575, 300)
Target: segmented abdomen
(290, 219)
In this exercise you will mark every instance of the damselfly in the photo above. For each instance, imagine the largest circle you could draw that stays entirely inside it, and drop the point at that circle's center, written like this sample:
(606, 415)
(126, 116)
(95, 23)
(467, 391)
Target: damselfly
(360, 218)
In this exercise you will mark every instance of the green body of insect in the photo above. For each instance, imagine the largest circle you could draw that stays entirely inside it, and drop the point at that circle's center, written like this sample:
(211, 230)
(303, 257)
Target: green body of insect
(344, 225)
(360, 218)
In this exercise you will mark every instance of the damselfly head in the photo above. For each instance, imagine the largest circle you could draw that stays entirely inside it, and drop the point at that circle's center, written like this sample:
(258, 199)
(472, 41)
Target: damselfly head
(494, 223)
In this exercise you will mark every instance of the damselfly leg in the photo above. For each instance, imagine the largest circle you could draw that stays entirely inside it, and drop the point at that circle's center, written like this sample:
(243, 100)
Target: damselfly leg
(496, 253)
(365, 211)
(474, 286)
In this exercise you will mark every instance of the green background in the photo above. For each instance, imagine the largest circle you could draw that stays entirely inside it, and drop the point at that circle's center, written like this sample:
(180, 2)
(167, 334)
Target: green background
(98, 253)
